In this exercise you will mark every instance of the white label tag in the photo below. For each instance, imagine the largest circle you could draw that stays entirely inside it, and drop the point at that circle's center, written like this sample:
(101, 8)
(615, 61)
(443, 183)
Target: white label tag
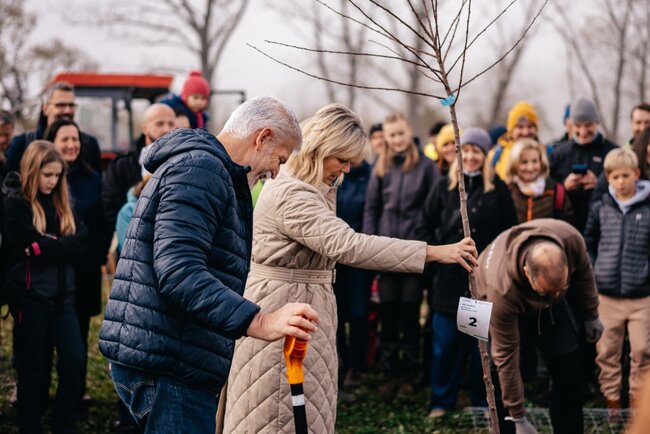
(473, 317)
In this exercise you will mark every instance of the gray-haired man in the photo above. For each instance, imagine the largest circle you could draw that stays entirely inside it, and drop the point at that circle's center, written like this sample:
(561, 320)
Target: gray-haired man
(176, 305)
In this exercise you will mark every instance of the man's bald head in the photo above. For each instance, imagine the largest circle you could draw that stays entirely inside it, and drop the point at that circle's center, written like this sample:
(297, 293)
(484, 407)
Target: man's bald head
(547, 268)
(159, 119)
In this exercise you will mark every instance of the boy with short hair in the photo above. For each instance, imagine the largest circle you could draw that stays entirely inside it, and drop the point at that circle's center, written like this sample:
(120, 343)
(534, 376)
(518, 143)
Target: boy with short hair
(617, 235)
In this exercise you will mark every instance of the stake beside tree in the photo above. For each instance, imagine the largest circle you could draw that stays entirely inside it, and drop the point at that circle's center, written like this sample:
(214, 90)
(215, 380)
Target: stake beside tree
(436, 62)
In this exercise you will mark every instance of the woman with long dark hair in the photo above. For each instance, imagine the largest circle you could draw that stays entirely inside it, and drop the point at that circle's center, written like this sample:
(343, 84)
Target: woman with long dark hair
(85, 189)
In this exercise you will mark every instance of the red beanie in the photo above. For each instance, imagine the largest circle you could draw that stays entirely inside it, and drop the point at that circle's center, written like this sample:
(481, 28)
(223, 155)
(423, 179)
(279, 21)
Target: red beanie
(195, 84)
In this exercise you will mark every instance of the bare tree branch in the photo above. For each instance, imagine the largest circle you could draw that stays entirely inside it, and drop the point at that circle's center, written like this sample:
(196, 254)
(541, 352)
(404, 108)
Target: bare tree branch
(350, 53)
(340, 82)
(508, 52)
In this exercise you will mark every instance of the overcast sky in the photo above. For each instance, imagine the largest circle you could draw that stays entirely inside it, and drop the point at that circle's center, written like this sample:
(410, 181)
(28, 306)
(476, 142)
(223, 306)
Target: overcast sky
(540, 79)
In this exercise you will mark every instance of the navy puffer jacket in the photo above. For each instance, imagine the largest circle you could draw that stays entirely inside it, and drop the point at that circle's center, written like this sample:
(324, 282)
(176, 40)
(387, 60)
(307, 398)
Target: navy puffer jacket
(176, 304)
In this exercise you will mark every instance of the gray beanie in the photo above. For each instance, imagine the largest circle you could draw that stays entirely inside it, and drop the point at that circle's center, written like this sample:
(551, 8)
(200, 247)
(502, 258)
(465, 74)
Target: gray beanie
(478, 137)
(583, 110)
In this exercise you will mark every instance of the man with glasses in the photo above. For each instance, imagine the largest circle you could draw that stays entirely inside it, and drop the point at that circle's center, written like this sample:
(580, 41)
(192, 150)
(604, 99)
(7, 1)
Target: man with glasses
(538, 274)
(59, 103)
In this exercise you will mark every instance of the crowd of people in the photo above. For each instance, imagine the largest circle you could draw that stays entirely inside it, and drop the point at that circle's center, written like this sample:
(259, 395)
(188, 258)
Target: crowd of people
(207, 277)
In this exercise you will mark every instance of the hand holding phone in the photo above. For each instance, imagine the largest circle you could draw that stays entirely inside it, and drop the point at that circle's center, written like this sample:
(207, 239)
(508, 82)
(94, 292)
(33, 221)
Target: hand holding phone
(579, 169)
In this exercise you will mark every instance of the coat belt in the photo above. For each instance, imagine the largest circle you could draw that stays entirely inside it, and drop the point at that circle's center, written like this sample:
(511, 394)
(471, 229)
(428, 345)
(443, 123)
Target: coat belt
(292, 275)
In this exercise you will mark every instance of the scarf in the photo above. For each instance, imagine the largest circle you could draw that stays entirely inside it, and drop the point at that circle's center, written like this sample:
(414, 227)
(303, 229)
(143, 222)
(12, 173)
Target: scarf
(534, 189)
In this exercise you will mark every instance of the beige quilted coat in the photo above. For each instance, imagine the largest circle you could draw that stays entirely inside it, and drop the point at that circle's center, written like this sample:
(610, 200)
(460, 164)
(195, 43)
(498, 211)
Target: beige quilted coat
(295, 227)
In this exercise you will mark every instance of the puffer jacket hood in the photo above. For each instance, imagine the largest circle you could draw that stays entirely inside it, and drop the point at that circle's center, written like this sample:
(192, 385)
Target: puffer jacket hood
(184, 140)
(642, 192)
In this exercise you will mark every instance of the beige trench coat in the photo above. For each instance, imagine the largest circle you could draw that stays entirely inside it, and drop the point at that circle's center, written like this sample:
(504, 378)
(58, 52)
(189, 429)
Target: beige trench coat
(296, 228)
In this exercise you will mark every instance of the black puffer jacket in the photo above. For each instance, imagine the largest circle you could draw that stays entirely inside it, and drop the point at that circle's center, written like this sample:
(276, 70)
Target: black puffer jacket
(176, 304)
(394, 202)
(46, 277)
(489, 214)
(565, 155)
(122, 174)
(619, 246)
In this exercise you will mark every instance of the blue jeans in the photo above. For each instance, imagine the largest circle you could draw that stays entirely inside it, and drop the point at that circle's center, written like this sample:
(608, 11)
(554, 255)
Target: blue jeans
(451, 349)
(161, 405)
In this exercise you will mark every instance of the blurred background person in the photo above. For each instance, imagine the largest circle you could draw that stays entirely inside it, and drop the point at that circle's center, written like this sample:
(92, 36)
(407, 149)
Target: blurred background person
(578, 162)
(401, 180)
(59, 102)
(193, 100)
(85, 185)
(522, 123)
(535, 194)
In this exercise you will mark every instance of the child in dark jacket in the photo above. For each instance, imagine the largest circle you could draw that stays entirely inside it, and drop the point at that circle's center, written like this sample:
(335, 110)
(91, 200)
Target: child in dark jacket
(44, 237)
(617, 235)
(193, 100)
(491, 211)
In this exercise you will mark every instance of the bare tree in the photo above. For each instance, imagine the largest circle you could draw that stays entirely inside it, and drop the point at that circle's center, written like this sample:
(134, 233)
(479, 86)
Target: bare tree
(640, 47)
(321, 29)
(201, 27)
(441, 58)
(22, 62)
(605, 40)
(502, 76)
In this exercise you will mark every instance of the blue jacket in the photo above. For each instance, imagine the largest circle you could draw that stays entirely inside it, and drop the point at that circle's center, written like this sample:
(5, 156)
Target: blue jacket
(176, 304)
(351, 196)
(177, 104)
(124, 218)
(619, 245)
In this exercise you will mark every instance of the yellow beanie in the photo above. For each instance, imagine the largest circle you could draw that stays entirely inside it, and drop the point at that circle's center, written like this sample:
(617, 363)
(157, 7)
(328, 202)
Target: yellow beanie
(522, 109)
(446, 134)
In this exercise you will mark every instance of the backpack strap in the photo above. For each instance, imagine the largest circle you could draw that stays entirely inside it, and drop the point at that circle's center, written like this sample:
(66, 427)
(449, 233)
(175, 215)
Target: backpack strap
(497, 155)
(558, 204)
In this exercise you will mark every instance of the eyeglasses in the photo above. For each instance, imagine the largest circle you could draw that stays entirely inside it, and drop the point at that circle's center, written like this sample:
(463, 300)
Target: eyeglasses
(62, 105)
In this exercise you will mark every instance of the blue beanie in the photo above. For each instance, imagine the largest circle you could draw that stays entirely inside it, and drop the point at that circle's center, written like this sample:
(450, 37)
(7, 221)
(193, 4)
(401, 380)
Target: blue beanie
(478, 137)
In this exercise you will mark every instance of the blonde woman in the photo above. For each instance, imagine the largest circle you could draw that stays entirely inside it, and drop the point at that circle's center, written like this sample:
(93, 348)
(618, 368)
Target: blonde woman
(491, 212)
(400, 182)
(534, 193)
(297, 241)
(43, 238)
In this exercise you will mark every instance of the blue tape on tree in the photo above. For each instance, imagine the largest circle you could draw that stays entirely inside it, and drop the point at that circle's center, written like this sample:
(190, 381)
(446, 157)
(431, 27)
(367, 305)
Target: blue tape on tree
(448, 101)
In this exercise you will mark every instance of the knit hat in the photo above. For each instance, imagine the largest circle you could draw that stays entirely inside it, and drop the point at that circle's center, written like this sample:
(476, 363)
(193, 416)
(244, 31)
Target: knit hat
(583, 110)
(478, 137)
(195, 84)
(496, 132)
(446, 134)
(522, 109)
